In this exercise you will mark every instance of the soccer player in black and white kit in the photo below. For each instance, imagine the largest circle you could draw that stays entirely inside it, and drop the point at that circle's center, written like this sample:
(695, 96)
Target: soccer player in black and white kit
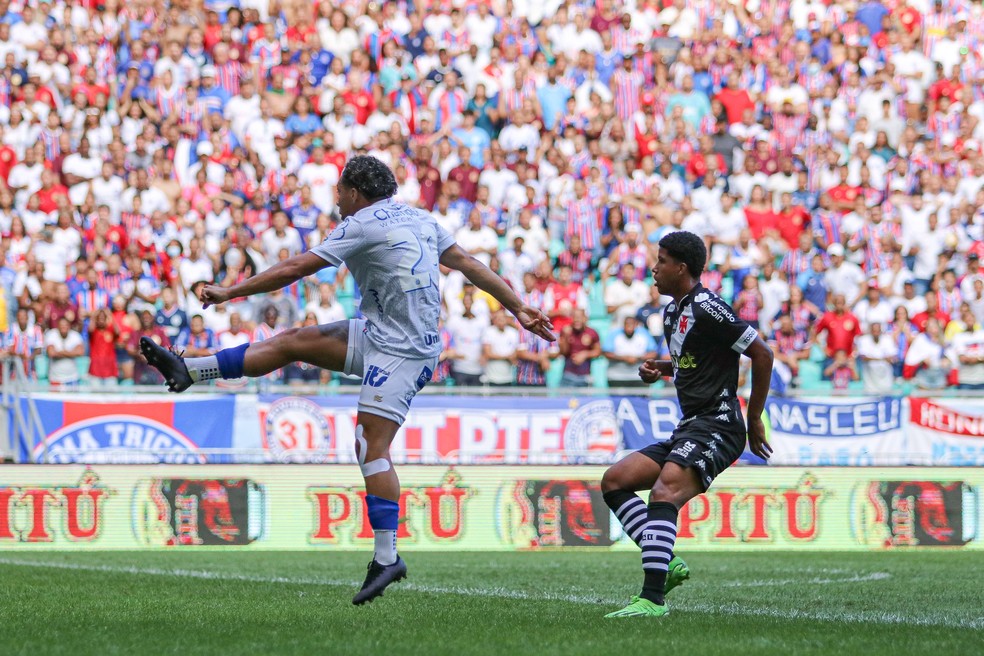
(705, 340)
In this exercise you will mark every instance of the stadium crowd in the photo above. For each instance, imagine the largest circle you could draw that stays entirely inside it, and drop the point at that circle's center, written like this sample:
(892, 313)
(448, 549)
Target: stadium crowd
(830, 154)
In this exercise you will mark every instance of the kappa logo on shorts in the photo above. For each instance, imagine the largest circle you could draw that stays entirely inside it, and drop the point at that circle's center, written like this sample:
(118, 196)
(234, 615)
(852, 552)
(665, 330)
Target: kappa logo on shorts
(425, 375)
(723, 418)
(707, 453)
(708, 479)
(685, 450)
(724, 407)
(375, 376)
(713, 447)
(717, 436)
(702, 465)
(724, 393)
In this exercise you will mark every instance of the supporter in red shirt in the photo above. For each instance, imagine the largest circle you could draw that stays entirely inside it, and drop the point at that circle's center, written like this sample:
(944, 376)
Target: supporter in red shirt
(102, 346)
(843, 195)
(579, 345)
(932, 311)
(792, 220)
(841, 327)
(735, 99)
(8, 160)
(759, 214)
(50, 192)
(359, 99)
(563, 298)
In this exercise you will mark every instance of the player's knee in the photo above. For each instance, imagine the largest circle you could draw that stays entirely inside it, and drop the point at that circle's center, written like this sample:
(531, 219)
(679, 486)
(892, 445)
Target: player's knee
(671, 491)
(292, 335)
(373, 455)
(611, 481)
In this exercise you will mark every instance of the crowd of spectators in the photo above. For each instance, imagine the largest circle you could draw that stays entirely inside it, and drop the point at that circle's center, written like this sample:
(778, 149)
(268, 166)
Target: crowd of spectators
(830, 154)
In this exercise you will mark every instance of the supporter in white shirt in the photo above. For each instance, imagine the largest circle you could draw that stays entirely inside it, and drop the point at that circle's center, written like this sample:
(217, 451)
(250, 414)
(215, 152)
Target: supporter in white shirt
(843, 277)
(497, 178)
(478, 240)
(878, 353)
(625, 295)
(775, 292)
(321, 177)
(327, 309)
(967, 353)
(25, 178)
(243, 109)
(467, 330)
(926, 247)
(626, 349)
(235, 334)
(107, 189)
(482, 26)
(500, 342)
(873, 308)
(536, 242)
(63, 346)
(78, 169)
(279, 236)
(515, 263)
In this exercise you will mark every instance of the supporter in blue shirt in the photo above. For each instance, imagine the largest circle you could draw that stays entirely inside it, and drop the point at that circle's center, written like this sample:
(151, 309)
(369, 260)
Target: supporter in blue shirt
(215, 97)
(813, 283)
(553, 98)
(870, 15)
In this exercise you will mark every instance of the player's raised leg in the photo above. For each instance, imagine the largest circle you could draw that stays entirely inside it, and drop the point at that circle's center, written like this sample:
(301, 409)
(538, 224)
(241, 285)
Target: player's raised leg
(374, 434)
(675, 486)
(322, 346)
(619, 485)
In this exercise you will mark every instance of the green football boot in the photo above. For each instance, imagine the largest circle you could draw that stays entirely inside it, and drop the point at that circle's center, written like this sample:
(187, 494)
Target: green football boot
(641, 608)
(677, 574)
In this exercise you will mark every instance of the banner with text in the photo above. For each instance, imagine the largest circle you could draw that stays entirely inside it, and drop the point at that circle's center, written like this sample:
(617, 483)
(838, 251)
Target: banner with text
(465, 430)
(848, 432)
(132, 429)
(53, 507)
(946, 432)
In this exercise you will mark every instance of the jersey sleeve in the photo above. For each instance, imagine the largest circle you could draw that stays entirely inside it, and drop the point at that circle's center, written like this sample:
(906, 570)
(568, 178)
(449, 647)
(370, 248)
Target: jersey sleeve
(722, 325)
(343, 242)
(445, 239)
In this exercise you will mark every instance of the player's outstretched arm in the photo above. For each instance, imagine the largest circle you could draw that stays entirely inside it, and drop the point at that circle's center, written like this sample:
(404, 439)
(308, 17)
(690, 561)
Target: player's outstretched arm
(531, 318)
(278, 276)
(762, 357)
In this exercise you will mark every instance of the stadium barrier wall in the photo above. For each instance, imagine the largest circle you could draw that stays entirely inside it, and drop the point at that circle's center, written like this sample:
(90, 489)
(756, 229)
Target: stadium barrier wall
(505, 508)
(250, 428)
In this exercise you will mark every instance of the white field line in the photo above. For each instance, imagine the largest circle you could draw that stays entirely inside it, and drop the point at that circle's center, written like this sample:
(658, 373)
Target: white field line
(860, 617)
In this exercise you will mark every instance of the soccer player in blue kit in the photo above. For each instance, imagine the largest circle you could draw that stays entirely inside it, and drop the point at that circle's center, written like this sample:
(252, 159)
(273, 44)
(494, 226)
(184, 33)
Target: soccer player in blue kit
(705, 339)
(393, 251)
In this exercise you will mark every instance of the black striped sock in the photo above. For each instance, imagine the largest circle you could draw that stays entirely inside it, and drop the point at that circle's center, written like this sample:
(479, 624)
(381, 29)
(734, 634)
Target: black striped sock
(630, 511)
(658, 538)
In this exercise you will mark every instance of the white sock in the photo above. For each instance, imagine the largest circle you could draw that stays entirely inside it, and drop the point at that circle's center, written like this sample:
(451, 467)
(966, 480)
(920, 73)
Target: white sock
(202, 369)
(385, 547)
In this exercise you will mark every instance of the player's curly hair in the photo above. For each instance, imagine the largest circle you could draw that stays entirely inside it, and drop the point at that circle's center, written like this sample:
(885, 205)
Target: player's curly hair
(370, 177)
(688, 248)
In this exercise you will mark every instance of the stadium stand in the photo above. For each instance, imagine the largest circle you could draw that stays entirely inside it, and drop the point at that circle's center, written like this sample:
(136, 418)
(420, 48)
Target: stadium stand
(830, 154)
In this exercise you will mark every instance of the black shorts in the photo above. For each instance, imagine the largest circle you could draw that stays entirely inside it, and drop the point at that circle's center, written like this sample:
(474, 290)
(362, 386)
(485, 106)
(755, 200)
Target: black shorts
(706, 444)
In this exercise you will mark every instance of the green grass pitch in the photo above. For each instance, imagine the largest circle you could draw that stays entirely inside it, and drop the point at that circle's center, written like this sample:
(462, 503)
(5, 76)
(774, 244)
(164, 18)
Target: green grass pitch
(488, 603)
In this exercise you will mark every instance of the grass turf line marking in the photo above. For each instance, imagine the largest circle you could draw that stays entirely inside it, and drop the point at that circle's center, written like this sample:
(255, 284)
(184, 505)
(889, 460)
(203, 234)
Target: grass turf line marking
(876, 617)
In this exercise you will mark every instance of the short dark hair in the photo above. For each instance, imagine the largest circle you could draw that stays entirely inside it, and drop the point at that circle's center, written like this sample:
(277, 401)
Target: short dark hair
(688, 248)
(370, 177)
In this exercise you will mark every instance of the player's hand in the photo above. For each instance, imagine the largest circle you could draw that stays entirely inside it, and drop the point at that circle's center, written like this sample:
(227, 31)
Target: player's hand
(756, 438)
(536, 322)
(649, 372)
(212, 295)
